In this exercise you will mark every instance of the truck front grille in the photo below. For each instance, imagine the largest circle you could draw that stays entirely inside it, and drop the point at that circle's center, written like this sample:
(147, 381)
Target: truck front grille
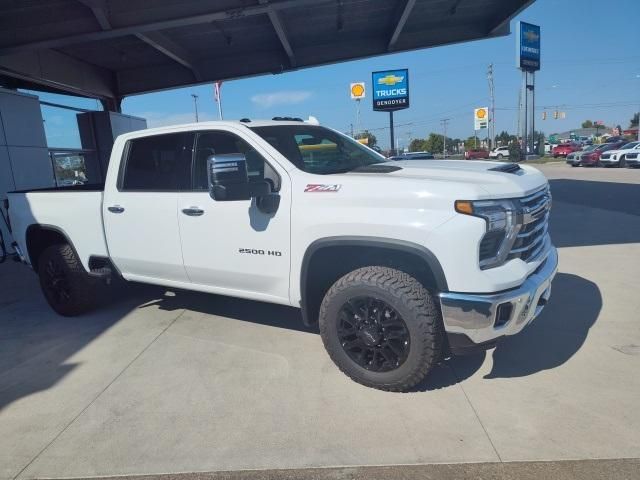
(532, 238)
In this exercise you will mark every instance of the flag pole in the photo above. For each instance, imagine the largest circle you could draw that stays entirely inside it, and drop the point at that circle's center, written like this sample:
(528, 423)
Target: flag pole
(218, 87)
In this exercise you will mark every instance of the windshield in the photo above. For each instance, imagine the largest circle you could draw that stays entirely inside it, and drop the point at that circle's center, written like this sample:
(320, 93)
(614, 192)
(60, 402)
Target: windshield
(629, 146)
(319, 150)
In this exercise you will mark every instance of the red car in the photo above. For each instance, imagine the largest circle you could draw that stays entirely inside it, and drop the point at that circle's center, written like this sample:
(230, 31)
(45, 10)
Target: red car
(565, 149)
(592, 159)
(476, 153)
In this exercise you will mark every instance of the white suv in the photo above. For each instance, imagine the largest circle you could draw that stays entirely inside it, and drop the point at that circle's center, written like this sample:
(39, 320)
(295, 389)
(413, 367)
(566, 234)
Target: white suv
(499, 152)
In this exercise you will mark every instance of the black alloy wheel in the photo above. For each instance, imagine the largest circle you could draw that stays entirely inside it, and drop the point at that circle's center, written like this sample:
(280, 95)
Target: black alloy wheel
(67, 287)
(373, 334)
(55, 283)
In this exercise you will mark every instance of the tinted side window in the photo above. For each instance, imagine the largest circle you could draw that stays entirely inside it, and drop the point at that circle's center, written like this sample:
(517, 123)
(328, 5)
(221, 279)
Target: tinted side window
(219, 143)
(158, 163)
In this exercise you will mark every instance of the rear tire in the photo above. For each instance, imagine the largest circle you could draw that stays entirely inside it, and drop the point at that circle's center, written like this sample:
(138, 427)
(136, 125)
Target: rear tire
(66, 286)
(500, 156)
(382, 328)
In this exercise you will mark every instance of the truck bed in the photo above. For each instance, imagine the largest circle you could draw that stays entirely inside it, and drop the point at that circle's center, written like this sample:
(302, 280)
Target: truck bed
(75, 212)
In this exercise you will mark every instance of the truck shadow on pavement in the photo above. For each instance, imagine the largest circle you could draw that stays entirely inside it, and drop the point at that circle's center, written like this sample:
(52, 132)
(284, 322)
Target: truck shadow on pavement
(550, 341)
(588, 213)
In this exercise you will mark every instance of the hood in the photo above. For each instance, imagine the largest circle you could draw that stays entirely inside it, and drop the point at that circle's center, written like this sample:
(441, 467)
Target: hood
(487, 178)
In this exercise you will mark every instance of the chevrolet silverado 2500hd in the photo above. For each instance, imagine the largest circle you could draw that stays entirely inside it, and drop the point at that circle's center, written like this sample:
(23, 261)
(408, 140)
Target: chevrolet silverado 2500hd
(401, 262)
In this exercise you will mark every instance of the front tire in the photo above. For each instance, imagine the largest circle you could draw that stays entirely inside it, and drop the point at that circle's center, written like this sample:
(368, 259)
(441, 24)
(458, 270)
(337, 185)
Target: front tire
(500, 156)
(382, 328)
(66, 286)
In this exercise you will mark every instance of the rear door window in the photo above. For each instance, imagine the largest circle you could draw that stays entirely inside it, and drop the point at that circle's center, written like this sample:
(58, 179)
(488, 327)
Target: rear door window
(158, 163)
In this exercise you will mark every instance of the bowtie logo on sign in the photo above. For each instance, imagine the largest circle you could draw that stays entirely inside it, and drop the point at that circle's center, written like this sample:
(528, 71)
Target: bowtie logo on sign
(390, 90)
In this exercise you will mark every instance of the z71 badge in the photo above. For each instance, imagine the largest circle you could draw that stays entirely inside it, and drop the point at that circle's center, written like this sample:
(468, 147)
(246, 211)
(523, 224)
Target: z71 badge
(319, 187)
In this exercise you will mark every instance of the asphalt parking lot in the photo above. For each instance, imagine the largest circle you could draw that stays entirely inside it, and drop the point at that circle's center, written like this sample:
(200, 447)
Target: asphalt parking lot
(169, 382)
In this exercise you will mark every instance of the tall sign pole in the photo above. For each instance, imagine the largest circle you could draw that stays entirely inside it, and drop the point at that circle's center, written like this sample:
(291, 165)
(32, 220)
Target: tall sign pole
(528, 61)
(492, 114)
(358, 92)
(390, 93)
(480, 121)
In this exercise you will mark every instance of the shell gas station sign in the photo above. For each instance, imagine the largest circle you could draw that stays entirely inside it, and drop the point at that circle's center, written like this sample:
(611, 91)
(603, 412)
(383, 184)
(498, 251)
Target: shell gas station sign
(480, 118)
(357, 91)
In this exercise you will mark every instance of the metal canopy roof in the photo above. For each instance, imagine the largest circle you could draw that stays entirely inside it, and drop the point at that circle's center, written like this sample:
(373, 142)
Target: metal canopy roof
(109, 49)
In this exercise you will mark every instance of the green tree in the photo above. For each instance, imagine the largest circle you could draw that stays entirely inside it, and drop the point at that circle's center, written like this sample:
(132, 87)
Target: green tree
(417, 145)
(472, 142)
(587, 124)
(634, 120)
(434, 143)
(373, 141)
(505, 139)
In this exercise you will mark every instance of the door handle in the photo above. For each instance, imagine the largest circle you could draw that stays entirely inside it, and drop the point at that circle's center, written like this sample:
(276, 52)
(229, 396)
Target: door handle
(193, 211)
(116, 209)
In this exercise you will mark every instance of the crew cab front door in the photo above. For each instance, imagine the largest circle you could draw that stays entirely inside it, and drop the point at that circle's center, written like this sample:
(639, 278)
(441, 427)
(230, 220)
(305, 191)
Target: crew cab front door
(231, 247)
(140, 208)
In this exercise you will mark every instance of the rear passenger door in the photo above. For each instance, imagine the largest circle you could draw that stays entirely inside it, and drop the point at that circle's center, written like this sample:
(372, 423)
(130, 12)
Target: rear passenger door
(140, 209)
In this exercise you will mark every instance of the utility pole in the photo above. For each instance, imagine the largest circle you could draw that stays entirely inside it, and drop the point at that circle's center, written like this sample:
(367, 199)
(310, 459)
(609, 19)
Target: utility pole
(195, 104)
(492, 108)
(444, 123)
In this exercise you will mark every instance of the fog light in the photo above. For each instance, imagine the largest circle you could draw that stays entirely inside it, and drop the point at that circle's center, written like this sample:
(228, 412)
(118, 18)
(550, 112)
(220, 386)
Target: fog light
(503, 314)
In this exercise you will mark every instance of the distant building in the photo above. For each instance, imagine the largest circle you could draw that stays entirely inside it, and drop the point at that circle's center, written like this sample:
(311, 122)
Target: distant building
(582, 132)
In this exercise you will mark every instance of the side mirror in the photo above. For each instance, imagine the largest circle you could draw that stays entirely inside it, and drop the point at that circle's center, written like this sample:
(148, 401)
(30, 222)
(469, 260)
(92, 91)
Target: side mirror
(229, 181)
(228, 177)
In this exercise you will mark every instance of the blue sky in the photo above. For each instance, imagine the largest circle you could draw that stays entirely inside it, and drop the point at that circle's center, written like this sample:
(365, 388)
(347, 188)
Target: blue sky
(590, 70)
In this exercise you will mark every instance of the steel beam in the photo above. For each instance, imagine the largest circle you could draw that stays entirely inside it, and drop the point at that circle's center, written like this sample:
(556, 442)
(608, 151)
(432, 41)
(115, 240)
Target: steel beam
(278, 26)
(156, 40)
(61, 72)
(117, 32)
(168, 47)
(402, 20)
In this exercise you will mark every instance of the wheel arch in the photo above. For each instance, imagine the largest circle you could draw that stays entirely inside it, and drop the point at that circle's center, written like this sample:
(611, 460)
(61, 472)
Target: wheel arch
(327, 259)
(38, 237)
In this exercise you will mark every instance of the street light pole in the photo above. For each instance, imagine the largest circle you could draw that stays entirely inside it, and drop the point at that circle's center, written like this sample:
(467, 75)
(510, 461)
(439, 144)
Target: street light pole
(195, 104)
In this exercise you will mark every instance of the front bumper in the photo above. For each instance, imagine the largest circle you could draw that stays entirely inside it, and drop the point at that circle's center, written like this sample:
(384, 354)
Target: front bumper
(633, 162)
(609, 161)
(484, 318)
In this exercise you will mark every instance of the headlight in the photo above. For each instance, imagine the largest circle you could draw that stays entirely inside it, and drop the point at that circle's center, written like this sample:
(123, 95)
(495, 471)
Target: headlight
(503, 225)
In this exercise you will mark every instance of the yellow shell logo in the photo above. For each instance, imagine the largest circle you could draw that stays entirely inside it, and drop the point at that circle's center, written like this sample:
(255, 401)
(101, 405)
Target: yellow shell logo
(357, 90)
(481, 113)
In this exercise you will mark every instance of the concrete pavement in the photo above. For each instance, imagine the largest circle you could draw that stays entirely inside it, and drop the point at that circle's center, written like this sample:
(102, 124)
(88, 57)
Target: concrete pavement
(168, 382)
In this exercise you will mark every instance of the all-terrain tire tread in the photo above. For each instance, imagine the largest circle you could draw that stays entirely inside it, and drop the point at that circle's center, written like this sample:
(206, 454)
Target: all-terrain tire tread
(410, 291)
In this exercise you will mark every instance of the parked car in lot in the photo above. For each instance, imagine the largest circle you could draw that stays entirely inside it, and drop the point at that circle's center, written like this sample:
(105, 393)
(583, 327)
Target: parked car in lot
(617, 158)
(499, 153)
(413, 156)
(574, 158)
(476, 153)
(290, 213)
(592, 159)
(565, 149)
(632, 160)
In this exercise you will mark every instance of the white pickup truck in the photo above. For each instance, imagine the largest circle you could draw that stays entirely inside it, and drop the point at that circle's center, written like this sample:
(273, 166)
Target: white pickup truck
(401, 263)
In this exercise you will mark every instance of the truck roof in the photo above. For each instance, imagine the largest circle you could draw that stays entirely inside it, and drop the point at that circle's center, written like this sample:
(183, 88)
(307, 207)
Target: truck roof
(211, 125)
